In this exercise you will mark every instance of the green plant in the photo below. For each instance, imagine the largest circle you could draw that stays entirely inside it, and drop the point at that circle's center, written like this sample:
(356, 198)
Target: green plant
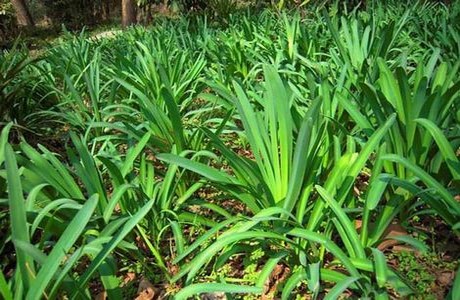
(295, 139)
(432, 97)
(421, 271)
(285, 198)
(22, 90)
(99, 229)
(47, 270)
(453, 293)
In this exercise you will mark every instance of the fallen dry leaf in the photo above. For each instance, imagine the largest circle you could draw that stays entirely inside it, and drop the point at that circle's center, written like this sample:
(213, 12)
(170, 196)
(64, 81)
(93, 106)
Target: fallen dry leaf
(129, 277)
(403, 248)
(213, 296)
(146, 290)
(445, 278)
(358, 224)
(392, 230)
(101, 296)
(279, 274)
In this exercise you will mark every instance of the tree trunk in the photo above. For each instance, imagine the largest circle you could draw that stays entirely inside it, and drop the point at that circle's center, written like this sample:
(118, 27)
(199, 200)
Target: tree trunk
(105, 10)
(128, 13)
(22, 13)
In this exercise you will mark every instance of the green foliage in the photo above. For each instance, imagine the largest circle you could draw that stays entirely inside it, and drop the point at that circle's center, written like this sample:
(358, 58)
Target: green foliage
(183, 147)
(24, 88)
(421, 270)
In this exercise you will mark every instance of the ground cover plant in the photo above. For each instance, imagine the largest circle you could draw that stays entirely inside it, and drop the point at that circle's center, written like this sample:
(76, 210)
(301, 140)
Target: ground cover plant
(276, 154)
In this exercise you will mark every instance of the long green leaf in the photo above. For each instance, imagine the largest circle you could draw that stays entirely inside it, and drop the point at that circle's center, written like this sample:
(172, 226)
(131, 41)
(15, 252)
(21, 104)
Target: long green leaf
(4, 288)
(199, 168)
(113, 243)
(339, 288)
(60, 250)
(18, 219)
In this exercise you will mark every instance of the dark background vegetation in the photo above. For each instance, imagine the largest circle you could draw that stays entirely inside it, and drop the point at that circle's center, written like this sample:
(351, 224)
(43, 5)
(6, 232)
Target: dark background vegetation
(51, 16)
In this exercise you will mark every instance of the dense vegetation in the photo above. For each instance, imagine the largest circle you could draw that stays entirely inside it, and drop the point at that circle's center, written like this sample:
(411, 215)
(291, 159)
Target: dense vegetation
(277, 154)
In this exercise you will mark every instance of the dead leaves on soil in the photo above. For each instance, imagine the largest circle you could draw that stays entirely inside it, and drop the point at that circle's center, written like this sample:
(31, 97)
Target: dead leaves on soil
(146, 291)
(393, 230)
(388, 242)
(279, 274)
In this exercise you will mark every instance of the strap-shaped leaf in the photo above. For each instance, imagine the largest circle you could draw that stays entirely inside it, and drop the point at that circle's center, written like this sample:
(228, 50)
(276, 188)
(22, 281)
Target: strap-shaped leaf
(62, 247)
(19, 226)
